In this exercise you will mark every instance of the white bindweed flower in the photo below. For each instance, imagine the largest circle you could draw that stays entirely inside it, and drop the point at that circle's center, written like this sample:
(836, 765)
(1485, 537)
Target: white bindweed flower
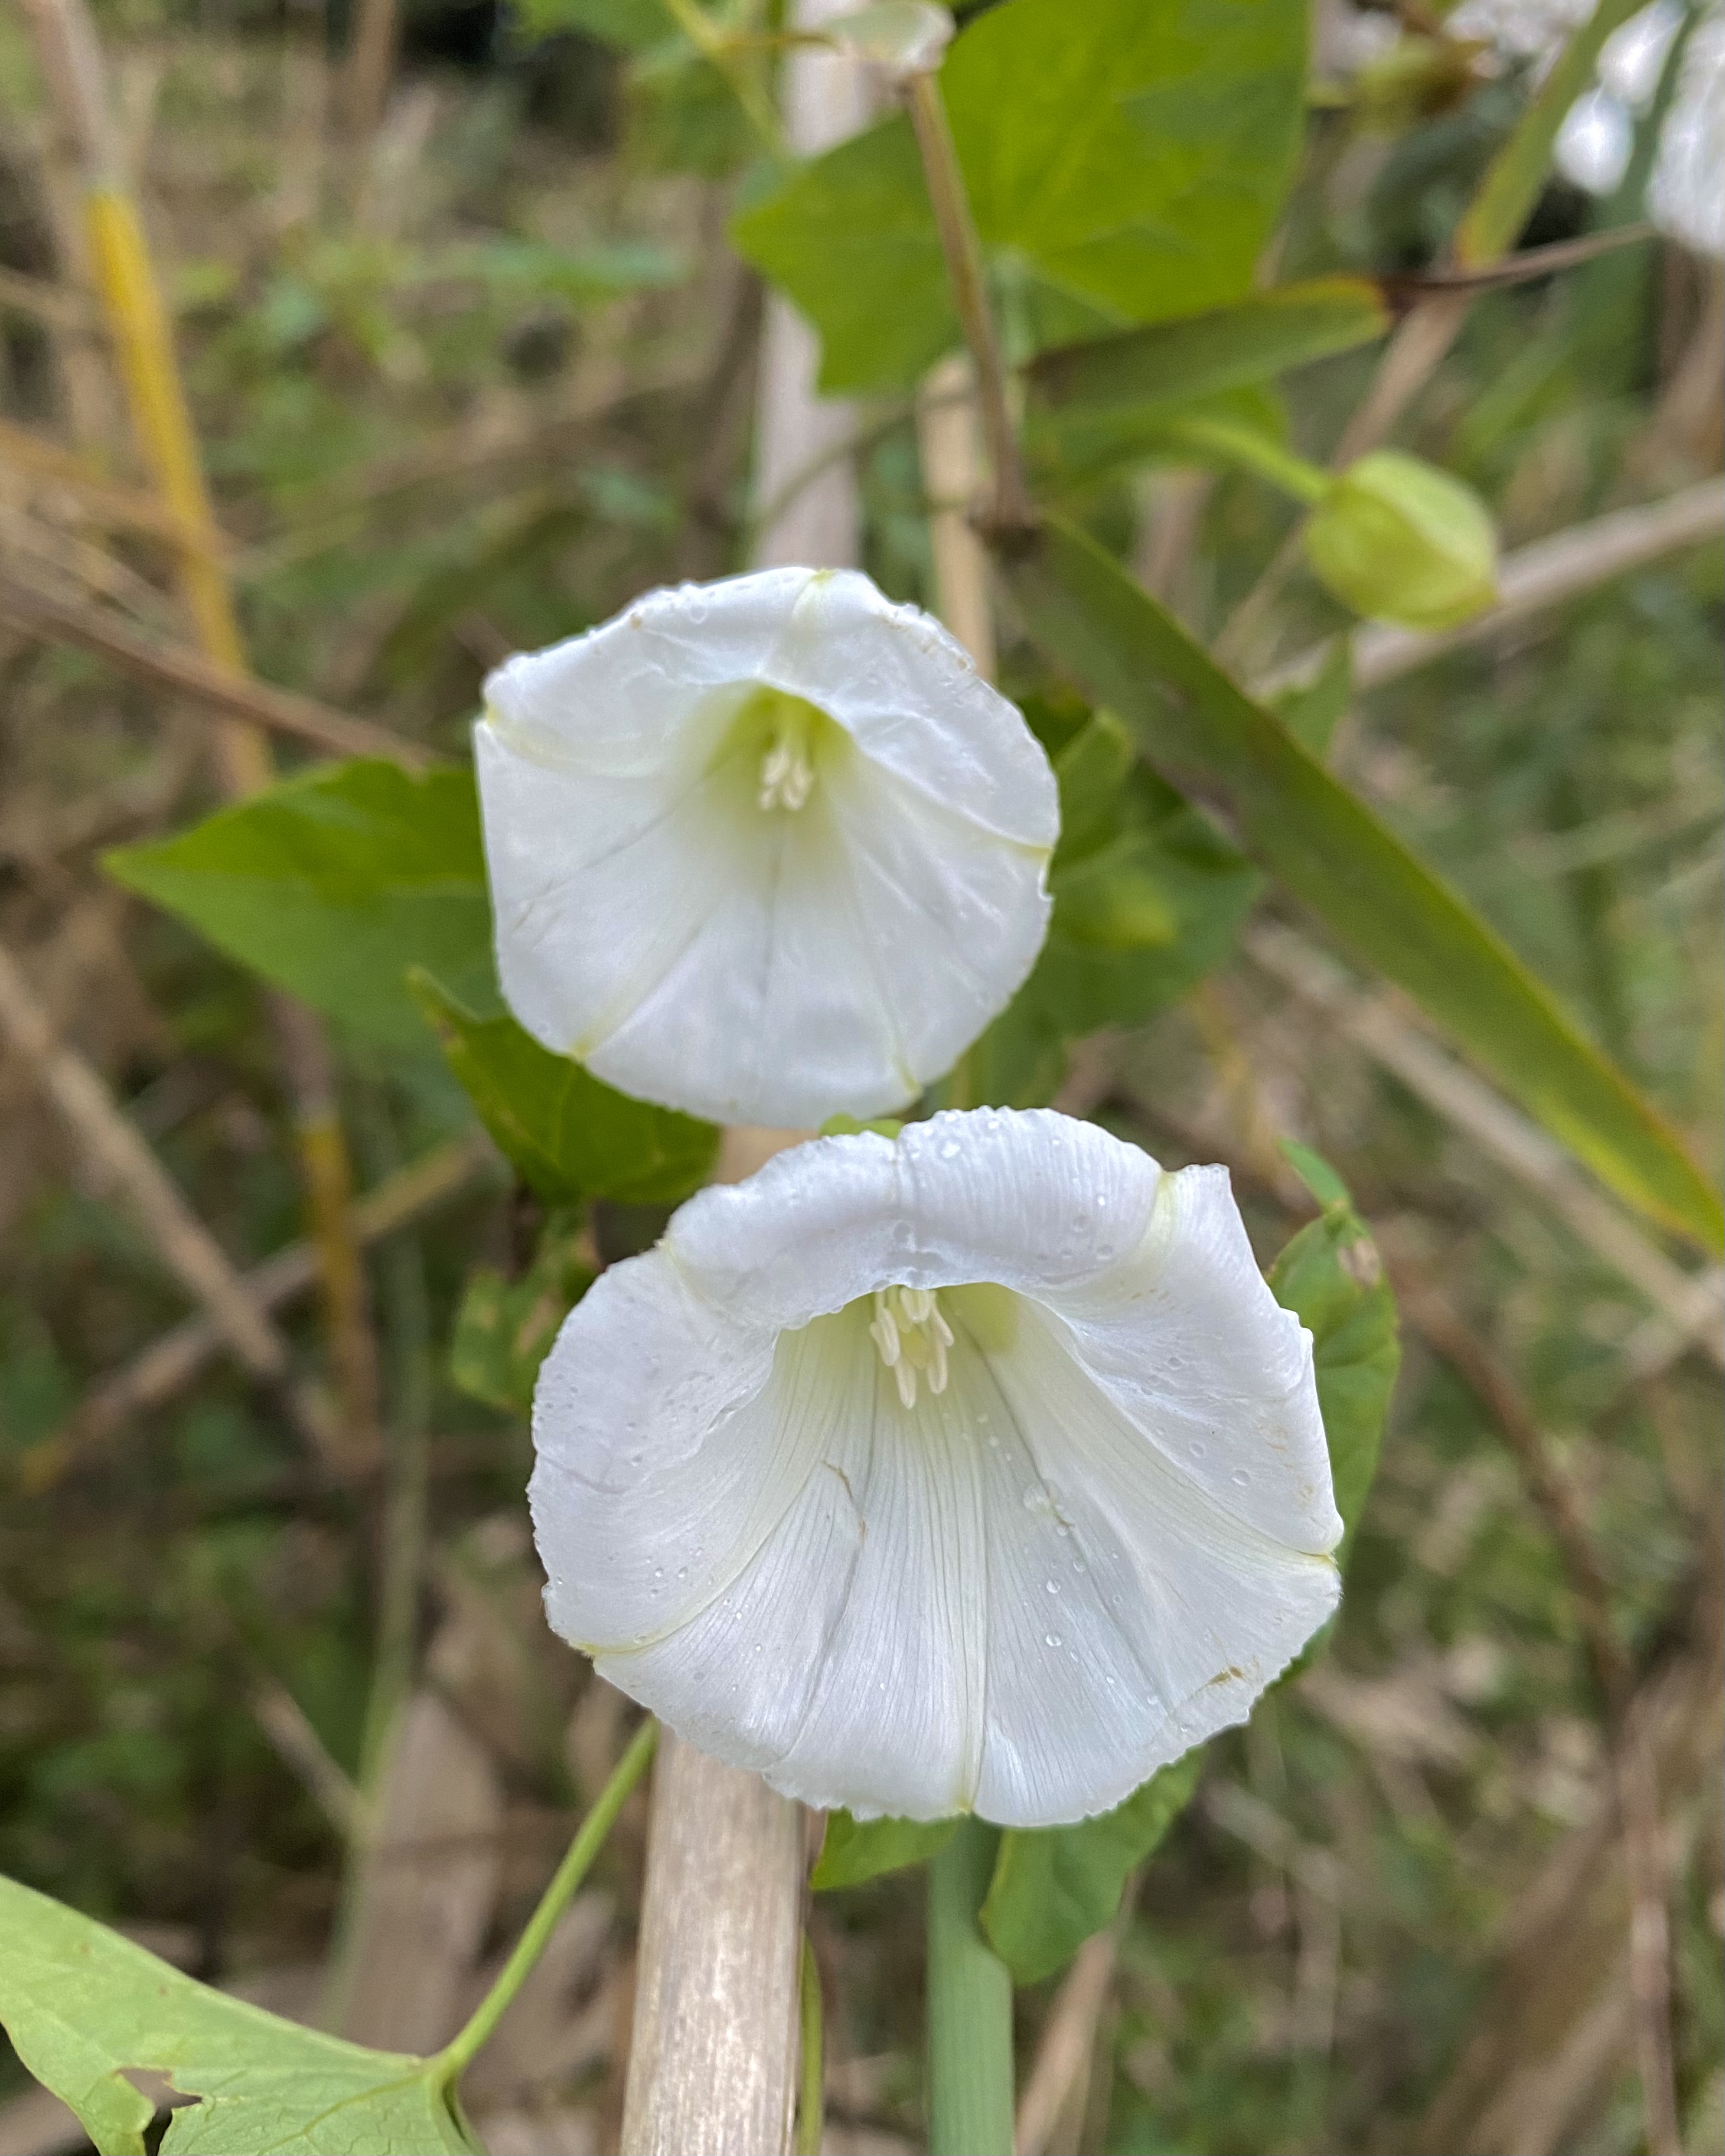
(974, 1470)
(767, 850)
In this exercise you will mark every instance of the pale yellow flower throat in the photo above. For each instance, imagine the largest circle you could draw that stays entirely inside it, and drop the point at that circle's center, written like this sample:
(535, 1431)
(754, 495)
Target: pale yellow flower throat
(912, 1336)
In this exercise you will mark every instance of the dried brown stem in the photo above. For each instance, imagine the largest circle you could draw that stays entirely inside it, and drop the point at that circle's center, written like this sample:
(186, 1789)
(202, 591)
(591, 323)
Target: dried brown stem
(141, 335)
(121, 1164)
(170, 1363)
(122, 508)
(1011, 510)
(1069, 2035)
(210, 688)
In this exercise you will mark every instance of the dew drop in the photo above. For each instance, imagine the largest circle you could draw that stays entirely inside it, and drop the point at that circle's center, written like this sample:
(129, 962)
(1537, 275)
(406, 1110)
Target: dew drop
(1079, 1565)
(1240, 1478)
(1050, 1638)
(1053, 1586)
(950, 1150)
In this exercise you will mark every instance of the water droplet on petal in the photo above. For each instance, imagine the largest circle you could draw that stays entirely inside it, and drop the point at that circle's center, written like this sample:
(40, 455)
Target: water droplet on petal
(1050, 1638)
(1240, 1478)
(1053, 1586)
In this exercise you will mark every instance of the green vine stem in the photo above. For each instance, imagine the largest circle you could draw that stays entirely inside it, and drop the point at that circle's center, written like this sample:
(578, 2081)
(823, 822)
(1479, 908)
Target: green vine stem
(589, 1839)
(811, 2068)
(970, 2074)
(1251, 450)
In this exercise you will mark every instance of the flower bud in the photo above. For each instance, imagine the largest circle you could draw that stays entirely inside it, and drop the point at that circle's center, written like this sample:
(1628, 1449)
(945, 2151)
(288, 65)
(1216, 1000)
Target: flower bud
(1397, 540)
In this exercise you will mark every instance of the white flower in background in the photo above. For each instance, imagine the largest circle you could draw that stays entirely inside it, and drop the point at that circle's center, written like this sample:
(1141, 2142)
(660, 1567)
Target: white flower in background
(767, 850)
(1686, 195)
(976, 1469)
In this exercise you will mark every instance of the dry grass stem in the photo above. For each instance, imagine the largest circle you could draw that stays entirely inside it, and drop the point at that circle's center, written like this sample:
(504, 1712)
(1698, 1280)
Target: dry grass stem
(211, 689)
(169, 1365)
(1063, 2056)
(119, 1162)
(1689, 1302)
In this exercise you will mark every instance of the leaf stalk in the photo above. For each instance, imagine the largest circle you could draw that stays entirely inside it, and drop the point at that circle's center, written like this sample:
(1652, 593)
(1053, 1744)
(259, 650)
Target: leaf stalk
(1012, 510)
(577, 1860)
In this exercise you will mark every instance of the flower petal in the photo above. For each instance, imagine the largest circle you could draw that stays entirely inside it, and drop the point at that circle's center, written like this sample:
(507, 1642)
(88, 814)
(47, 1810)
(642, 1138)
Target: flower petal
(1130, 1614)
(751, 962)
(1022, 1594)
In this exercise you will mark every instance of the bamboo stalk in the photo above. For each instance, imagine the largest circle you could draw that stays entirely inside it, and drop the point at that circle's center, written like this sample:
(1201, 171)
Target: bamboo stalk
(139, 327)
(713, 2051)
(947, 443)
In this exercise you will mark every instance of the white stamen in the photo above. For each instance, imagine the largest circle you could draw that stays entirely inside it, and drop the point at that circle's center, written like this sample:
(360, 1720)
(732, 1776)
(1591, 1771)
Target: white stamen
(886, 1332)
(786, 775)
(912, 1337)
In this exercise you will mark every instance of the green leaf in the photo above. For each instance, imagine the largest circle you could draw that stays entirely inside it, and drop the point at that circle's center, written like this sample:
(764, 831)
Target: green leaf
(1209, 738)
(1070, 449)
(1331, 1276)
(1504, 200)
(848, 1126)
(570, 1135)
(598, 271)
(633, 25)
(1312, 711)
(1171, 362)
(1054, 1885)
(332, 884)
(504, 1329)
(84, 2006)
(1315, 1172)
(856, 1850)
(1125, 161)
(1148, 896)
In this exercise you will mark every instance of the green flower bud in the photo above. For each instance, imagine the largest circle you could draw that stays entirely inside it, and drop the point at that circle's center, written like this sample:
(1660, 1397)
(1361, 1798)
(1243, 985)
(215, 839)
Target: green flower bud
(1397, 540)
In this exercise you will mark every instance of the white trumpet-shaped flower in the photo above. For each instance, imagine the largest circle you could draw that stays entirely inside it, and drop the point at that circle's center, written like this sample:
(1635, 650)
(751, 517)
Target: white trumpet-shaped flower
(974, 1470)
(768, 850)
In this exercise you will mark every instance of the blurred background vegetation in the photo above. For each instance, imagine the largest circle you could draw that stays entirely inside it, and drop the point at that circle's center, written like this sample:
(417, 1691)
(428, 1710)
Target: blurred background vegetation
(470, 371)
